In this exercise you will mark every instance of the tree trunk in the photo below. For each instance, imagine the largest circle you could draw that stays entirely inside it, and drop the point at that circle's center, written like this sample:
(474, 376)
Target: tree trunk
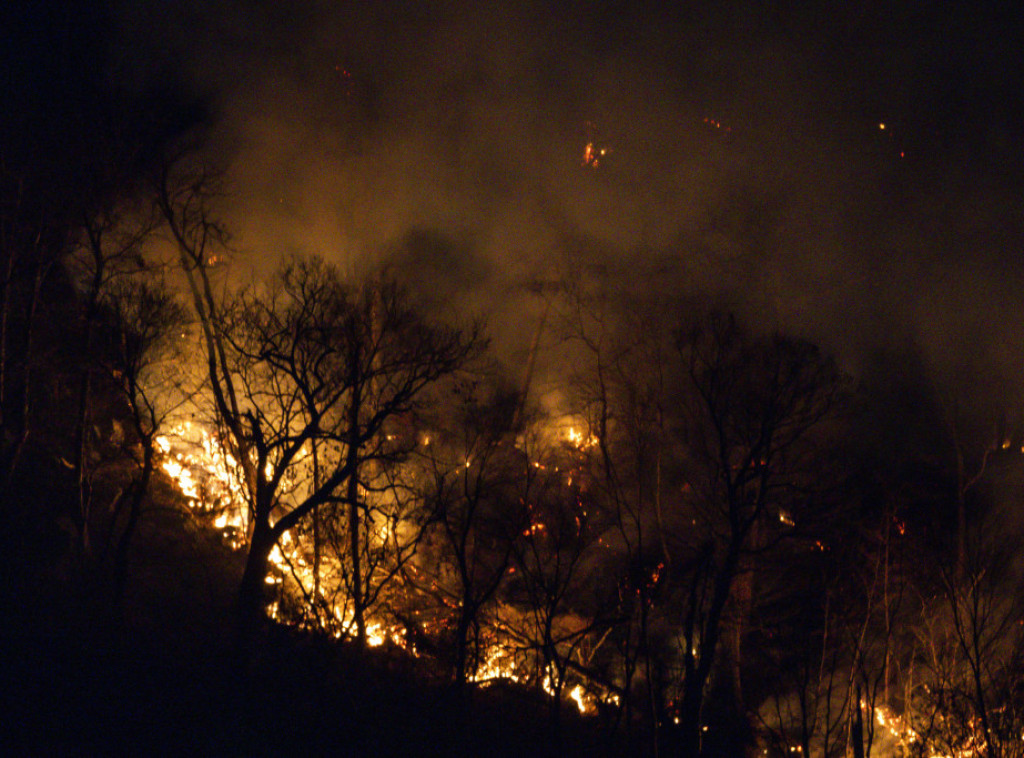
(358, 599)
(697, 676)
(22, 421)
(82, 448)
(84, 397)
(689, 719)
(352, 496)
(134, 513)
(316, 532)
(858, 727)
(461, 645)
(251, 595)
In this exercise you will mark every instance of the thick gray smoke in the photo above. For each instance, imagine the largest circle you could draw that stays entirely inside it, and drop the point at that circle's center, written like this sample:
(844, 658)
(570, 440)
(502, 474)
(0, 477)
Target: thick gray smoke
(848, 174)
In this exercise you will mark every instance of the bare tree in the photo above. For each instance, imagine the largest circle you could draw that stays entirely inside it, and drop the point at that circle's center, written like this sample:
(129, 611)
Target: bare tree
(561, 578)
(477, 486)
(309, 362)
(964, 693)
(751, 407)
(108, 253)
(144, 365)
(36, 233)
(624, 392)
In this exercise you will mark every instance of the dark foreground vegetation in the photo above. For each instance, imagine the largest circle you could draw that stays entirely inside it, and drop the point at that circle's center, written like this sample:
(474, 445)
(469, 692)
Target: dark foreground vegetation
(160, 675)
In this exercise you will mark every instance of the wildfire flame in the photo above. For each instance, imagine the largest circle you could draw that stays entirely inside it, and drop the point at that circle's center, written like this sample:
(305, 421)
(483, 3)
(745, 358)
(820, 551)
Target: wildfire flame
(906, 736)
(581, 440)
(592, 155)
(207, 475)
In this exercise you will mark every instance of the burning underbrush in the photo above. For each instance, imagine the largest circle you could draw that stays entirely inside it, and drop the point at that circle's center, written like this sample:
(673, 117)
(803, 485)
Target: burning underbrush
(309, 584)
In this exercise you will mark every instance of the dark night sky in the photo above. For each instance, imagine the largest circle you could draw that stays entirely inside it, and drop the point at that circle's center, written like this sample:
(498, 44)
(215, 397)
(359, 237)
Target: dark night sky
(745, 154)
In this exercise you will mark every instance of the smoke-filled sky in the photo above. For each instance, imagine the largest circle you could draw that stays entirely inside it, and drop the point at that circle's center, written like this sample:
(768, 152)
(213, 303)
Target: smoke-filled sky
(850, 171)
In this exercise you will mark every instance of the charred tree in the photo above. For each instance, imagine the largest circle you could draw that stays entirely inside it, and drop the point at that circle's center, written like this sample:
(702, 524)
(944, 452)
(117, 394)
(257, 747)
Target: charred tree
(752, 407)
(476, 483)
(308, 361)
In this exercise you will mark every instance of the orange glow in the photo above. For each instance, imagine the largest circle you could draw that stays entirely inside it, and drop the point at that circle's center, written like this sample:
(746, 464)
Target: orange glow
(592, 155)
(589, 157)
(579, 440)
(195, 459)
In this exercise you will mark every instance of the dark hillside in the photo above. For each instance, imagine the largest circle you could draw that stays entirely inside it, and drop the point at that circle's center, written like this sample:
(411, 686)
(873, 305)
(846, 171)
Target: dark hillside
(160, 678)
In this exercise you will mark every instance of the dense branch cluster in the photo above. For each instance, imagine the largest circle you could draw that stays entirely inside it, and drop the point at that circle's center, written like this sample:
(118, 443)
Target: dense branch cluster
(697, 547)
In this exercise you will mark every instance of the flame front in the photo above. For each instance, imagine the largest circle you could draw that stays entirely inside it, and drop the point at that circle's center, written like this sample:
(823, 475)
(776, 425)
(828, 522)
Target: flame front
(207, 475)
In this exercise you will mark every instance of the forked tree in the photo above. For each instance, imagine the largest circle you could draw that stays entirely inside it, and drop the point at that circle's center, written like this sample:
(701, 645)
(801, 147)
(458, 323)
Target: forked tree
(752, 407)
(309, 360)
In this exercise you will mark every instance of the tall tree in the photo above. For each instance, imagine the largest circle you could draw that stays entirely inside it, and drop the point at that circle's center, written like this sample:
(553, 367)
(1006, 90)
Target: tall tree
(144, 365)
(108, 253)
(752, 407)
(307, 361)
(477, 484)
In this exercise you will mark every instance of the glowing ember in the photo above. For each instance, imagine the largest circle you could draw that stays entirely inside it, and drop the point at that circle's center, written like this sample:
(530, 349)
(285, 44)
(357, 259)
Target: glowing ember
(895, 725)
(716, 124)
(206, 475)
(592, 155)
(498, 664)
(906, 736)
